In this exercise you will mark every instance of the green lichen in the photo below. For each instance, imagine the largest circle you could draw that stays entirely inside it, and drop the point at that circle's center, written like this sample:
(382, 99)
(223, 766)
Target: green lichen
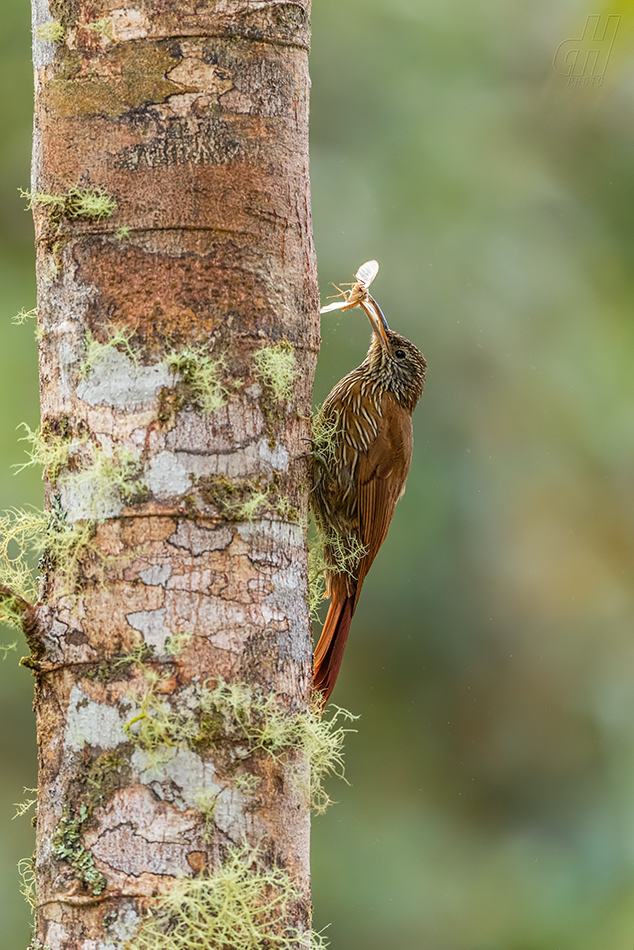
(245, 499)
(94, 785)
(199, 377)
(64, 546)
(324, 438)
(102, 27)
(22, 534)
(286, 509)
(52, 452)
(329, 552)
(177, 643)
(21, 808)
(111, 476)
(84, 203)
(26, 871)
(52, 32)
(239, 714)
(275, 368)
(75, 203)
(247, 782)
(67, 846)
(118, 339)
(243, 905)
(23, 315)
(247, 510)
(123, 232)
(206, 804)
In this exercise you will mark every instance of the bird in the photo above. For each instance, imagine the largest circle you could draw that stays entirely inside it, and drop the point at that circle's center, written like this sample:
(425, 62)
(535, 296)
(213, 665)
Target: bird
(361, 474)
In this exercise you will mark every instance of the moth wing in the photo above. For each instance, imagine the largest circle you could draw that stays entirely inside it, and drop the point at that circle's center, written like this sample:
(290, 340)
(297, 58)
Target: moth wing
(367, 272)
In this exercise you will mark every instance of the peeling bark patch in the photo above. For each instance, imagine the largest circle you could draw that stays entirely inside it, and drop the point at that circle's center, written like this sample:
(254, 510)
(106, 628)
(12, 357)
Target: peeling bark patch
(156, 576)
(151, 624)
(92, 723)
(193, 538)
(143, 835)
(113, 82)
(114, 380)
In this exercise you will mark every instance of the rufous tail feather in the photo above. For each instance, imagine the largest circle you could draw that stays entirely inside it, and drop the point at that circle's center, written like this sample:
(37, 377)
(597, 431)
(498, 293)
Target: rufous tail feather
(332, 643)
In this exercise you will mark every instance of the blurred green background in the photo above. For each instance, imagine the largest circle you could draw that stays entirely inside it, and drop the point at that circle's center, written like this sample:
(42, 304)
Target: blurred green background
(491, 804)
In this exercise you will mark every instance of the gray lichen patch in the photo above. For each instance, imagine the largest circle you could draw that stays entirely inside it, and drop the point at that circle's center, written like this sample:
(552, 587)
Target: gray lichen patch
(86, 501)
(114, 380)
(151, 623)
(167, 476)
(90, 723)
(182, 777)
(276, 456)
(198, 540)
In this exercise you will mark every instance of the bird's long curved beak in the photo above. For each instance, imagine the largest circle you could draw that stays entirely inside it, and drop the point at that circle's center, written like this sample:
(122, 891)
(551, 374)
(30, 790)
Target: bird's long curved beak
(376, 317)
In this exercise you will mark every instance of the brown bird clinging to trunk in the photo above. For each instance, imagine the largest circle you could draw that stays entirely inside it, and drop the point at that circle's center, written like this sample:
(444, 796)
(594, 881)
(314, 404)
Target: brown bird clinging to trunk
(361, 474)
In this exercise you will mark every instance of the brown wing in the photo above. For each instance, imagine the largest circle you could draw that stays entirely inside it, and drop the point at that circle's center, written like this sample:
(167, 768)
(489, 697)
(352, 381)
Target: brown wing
(381, 478)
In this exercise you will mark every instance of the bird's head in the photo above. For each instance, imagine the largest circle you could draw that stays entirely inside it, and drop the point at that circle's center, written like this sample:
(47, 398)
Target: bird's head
(397, 364)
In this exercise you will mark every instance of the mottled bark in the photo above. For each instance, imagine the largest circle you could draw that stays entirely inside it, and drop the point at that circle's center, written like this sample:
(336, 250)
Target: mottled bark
(176, 553)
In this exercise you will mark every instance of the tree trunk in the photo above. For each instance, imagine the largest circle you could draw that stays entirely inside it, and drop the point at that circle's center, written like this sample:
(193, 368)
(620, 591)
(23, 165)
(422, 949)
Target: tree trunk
(178, 326)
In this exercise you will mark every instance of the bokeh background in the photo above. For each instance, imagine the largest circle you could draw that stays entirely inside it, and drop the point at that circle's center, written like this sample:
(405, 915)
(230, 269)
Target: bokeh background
(491, 804)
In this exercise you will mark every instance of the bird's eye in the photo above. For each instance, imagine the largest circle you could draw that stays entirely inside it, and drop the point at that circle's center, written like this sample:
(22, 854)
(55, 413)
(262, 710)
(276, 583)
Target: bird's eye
(400, 354)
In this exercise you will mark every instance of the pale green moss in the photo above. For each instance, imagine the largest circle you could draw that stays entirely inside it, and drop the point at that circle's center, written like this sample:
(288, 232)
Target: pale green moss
(324, 437)
(21, 537)
(206, 804)
(243, 905)
(21, 808)
(111, 477)
(286, 509)
(123, 232)
(244, 500)
(118, 339)
(275, 367)
(247, 782)
(86, 203)
(200, 375)
(52, 32)
(247, 510)
(23, 315)
(241, 714)
(102, 27)
(26, 870)
(50, 451)
(64, 546)
(329, 552)
(75, 203)
(98, 491)
(177, 643)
